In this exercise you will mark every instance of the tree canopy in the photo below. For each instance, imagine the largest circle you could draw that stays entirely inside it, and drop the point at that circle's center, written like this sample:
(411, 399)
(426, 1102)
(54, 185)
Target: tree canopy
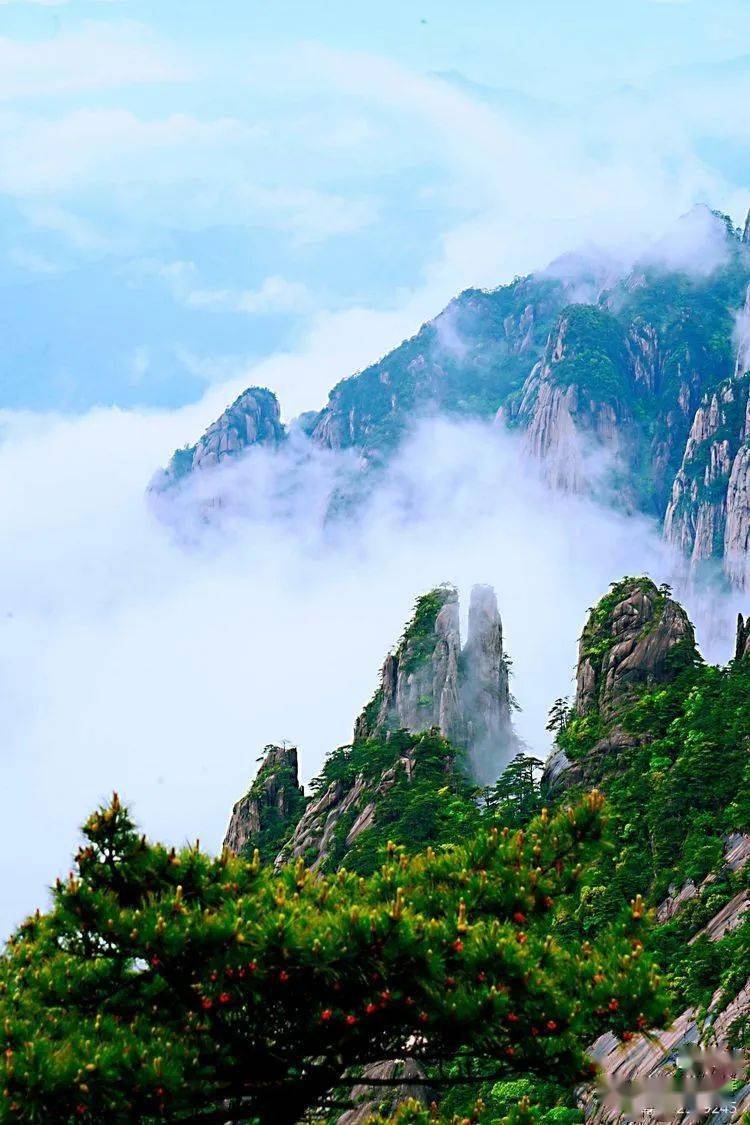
(175, 986)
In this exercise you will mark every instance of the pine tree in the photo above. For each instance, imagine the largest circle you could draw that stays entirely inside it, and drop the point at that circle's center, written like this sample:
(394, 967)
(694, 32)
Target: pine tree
(165, 986)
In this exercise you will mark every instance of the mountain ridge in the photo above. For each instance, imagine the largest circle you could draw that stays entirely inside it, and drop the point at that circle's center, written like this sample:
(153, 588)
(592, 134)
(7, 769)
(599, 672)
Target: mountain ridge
(642, 371)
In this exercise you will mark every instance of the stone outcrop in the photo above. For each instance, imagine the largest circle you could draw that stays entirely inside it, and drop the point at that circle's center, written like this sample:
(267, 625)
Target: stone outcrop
(419, 683)
(737, 532)
(252, 419)
(314, 834)
(370, 1101)
(430, 681)
(654, 1054)
(275, 799)
(428, 684)
(636, 635)
(705, 516)
(742, 644)
(485, 692)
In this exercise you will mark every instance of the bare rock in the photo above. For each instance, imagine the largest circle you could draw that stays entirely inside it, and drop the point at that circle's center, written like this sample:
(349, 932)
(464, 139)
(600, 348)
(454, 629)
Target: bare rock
(252, 419)
(742, 644)
(485, 693)
(636, 635)
(276, 794)
(369, 1100)
(430, 682)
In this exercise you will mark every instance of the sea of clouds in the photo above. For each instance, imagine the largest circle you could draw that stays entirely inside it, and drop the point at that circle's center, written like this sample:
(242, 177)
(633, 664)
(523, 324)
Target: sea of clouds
(158, 657)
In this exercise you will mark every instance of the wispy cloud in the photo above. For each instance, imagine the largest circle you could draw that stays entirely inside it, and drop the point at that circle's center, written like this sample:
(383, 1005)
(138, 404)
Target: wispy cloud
(96, 57)
(274, 295)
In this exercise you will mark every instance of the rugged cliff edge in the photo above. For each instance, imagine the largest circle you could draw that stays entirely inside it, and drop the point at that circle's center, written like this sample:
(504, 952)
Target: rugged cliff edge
(636, 637)
(440, 720)
(631, 386)
(252, 419)
(264, 817)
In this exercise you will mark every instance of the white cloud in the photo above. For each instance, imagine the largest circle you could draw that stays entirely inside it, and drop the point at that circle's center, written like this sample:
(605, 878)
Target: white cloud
(109, 146)
(128, 661)
(274, 295)
(96, 57)
(32, 262)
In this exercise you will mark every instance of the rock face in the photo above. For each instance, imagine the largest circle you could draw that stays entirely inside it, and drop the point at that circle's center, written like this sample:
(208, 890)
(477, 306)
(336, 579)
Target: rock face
(655, 1054)
(252, 419)
(564, 415)
(636, 635)
(371, 1101)
(354, 805)
(708, 515)
(485, 692)
(429, 686)
(419, 686)
(272, 805)
(429, 681)
(742, 645)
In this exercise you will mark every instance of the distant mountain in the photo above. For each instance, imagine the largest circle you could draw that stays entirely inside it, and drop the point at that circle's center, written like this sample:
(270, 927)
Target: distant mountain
(631, 384)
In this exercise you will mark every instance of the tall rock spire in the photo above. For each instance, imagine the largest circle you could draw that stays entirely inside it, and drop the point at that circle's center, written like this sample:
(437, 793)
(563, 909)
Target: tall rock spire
(485, 695)
(429, 681)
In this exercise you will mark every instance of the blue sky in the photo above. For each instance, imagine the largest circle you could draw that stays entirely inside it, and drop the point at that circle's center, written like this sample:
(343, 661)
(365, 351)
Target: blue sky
(189, 191)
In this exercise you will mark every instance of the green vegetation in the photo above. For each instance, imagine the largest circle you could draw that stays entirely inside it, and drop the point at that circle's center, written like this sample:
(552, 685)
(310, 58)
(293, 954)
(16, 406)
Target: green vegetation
(595, 357)
(677, 787)
(167, 987)
(465, 362)
(277, 817)
(431, 801)
(418, 640)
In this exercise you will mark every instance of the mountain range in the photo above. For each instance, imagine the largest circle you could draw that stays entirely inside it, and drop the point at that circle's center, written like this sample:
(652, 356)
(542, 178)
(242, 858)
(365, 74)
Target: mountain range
(630, 383)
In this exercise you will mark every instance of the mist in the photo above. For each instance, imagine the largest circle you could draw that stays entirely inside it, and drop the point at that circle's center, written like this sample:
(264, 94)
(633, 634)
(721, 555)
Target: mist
(158, 659)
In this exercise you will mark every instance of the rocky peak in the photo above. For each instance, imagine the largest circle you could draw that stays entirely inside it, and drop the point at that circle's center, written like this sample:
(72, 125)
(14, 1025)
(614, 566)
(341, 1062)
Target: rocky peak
(267, 813)
(419, 681)
(433, 699)
(485, 694)
(742, 645)
(637, 634)
(746, 231)
(252, 419)
(430, 682)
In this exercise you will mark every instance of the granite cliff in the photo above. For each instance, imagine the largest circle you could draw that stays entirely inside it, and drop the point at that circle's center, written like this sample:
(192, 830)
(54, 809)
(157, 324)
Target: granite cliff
(441, 717)
(635, 638)
(630, 384)
(662, 734)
